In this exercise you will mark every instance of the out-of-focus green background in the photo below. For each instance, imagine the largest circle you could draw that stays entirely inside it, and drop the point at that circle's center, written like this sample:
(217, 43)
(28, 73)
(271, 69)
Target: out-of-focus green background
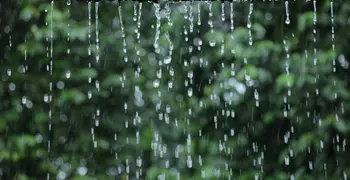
(190, 117)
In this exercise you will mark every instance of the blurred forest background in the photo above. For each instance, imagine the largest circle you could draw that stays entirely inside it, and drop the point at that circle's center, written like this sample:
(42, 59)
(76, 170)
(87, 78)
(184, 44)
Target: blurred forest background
(174, 92)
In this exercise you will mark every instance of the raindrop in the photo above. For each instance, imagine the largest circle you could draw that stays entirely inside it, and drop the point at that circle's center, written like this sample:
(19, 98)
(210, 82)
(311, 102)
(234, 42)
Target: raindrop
(156, 43)
(138, 161)
(287, 13)
(231, 17)
(82, 170)
(156, 83)
(189, 161)
(286, 161)
(89, 29)
(212, 43)
(97, 33)
(256, 96)
(46, 98)
(9, 72)
(12, 86)
(310, 165)
(190, 74)
(60, 85)
(68, 73)
(190, 92)
(24, 100)
(249, 23)
(89, 94)
(167, 60)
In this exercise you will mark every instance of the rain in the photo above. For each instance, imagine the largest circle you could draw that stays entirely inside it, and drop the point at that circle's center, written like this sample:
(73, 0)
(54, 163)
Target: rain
(174, 90)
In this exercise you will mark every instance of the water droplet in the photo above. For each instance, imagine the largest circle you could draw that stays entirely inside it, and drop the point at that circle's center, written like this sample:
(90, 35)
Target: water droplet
(138, 161)
(60, 85)
(167, 60)
(287, 21)
(189, 161)
(190, 74)
(156, 83)
(9, 72)
(46, 98)
(12, 86)
(82, 170)
(190, 92)
(68, 73)
(212, 43)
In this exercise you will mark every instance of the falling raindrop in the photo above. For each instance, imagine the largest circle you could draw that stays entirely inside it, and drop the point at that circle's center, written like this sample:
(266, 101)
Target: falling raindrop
(123, 32)
(156, 83)
(190, 92)
(314, 32)
(249, 23)
(167, 60)
(199, 13)
(232, 27)
(139, 161)
(256, 96)
(9, 72)
(287, 21)
(332, 31)
(189, 161)
(97, 33)
(68, 73)
(212, 43)
(157, 13)
(51, 70)
(223, 11)
(89, 28)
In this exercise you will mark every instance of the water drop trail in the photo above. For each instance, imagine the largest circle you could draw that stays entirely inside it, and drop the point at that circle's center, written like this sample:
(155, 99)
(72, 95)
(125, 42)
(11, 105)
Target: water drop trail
(249, 23)
(157, 13)
(96, 116)
(315, 32)
(123, 32)
(223, 11)
(287, 64)
(97, 33)
(287, 21)
(190, 18)
(89, 28)
(210, 22)
(333, 34)
(199, 13)
(139, 22)
(68, 33)
(51, 69)
(222, 50)
(232, 27)
(212, 43)
(138, 93)
(50, 84)
(333, 46)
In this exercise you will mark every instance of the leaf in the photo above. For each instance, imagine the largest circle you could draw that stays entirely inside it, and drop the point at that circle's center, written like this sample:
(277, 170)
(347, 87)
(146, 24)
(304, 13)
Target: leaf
(25, 140)
(305, 20)
(73, 95)
(40, 117)
(27, 13)
(85, 73)
(111, 81)
(285, 81)
(342, 126)
(11, 116)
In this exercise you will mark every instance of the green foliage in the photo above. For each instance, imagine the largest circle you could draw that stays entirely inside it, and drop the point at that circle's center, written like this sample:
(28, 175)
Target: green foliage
(234, 109)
